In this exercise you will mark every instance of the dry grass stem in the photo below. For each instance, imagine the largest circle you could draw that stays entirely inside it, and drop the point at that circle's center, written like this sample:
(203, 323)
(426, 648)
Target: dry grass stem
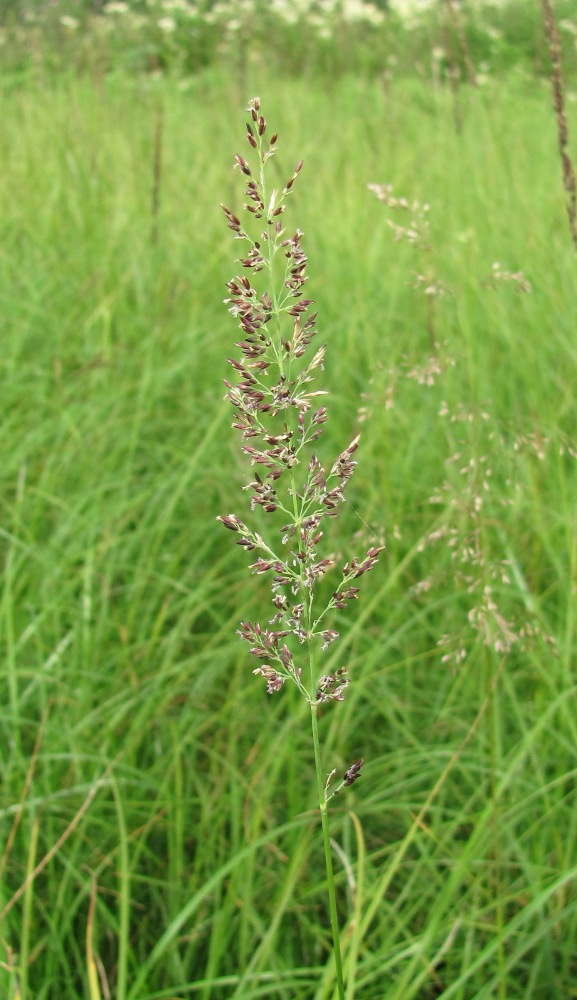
(464, 45)
(567, 171)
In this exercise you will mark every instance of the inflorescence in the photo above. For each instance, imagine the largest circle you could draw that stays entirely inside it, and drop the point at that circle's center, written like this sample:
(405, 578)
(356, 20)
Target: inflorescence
(280, 417)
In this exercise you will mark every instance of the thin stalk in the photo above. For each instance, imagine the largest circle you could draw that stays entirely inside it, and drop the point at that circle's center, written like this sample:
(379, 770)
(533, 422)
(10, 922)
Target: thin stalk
(7, 607)
(157, 172)
(492, 732)
(93, 987)
(326, 840)
(24, 959)
(495, 754)
(123, 898)
(557, 83)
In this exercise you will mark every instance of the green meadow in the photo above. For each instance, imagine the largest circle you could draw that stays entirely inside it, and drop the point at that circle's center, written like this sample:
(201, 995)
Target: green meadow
(158, 830)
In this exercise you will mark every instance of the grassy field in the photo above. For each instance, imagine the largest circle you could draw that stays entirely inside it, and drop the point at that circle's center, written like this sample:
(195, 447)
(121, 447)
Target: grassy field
(157, 821)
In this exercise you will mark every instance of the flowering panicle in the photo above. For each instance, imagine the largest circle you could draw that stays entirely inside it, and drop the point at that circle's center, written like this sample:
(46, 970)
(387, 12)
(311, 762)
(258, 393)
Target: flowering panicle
(280, 417)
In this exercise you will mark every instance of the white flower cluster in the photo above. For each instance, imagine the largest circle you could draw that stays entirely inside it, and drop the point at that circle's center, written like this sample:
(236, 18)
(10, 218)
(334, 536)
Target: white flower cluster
(411, 11)
(320, 13)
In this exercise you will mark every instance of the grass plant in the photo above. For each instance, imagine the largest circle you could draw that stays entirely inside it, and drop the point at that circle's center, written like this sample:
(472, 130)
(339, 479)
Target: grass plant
(139, 769)
(280, 419)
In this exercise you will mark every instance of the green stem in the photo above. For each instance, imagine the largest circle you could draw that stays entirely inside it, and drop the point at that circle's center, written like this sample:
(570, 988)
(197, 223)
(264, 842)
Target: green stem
(328, 856)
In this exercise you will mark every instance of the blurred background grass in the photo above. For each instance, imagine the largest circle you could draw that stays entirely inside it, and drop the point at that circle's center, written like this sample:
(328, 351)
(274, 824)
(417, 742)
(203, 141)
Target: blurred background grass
(121, 594)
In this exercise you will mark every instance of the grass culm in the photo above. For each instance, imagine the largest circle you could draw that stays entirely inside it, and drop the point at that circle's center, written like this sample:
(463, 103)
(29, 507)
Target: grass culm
(275, 411)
